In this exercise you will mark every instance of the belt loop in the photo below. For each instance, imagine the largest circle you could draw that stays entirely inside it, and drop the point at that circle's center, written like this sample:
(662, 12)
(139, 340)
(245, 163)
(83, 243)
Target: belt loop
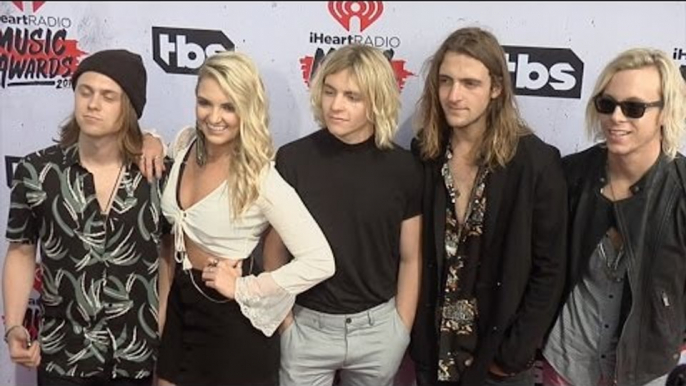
(370, 316)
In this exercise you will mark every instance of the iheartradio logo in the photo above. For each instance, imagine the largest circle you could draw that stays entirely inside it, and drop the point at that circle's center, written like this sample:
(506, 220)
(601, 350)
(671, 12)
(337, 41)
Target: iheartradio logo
(367, 12)
(34, 4)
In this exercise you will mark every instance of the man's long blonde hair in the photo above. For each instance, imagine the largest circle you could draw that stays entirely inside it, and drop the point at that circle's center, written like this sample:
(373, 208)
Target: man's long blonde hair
(374, 75)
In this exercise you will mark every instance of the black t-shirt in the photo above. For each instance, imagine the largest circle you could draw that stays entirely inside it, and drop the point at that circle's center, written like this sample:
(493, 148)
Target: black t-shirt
(359, 195)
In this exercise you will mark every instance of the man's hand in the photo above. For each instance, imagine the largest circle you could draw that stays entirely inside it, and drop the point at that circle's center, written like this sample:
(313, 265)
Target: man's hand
(496, 370)
(286, 322)
(22, 350)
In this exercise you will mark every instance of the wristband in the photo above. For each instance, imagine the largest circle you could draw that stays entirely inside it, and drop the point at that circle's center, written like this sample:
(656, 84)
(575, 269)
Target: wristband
(7, 333)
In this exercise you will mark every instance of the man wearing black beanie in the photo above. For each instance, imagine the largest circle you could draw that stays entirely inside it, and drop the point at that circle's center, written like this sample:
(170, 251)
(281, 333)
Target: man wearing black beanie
(99, 227)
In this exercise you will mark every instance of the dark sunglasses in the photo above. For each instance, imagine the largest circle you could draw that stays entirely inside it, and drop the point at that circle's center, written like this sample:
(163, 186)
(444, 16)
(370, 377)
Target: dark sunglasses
(630, 109)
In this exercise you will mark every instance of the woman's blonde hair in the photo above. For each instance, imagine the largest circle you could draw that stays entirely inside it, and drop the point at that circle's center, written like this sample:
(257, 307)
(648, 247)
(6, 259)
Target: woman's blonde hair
(374, 75)
(673, 93)
(129, 136)
(504, 125)
(239, 78)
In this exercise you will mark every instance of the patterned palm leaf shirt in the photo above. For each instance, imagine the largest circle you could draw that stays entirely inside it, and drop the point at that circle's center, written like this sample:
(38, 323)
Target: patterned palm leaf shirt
(99, 300)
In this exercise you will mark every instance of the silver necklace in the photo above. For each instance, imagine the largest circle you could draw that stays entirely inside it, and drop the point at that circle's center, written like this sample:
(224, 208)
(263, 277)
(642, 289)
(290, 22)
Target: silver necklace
(110, 200)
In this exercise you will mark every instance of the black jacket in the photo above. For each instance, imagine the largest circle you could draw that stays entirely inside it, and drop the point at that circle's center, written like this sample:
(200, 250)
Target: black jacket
(653, 227)
(522, 269)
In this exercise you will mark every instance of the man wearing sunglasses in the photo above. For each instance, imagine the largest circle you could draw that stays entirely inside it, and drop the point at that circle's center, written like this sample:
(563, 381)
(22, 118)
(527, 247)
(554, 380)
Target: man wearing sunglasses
(622, 320)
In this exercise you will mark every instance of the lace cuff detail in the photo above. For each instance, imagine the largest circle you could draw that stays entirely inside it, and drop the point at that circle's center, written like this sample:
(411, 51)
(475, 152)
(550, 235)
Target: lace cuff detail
(263, 302)
(182, 141)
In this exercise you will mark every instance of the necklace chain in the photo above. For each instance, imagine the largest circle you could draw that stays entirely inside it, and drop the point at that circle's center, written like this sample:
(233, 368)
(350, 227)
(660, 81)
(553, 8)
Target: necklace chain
(197, 287)
(203, 292)
(108, 205)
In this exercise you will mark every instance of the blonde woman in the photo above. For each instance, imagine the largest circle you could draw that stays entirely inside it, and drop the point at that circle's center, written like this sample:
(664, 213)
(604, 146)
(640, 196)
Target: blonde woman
(223, 192)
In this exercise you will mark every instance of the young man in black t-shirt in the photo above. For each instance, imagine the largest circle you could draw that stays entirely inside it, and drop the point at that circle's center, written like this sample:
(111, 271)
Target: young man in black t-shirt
(365, 194)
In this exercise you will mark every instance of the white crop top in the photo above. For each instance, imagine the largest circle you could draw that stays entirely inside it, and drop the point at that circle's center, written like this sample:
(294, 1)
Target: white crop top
(267, 298)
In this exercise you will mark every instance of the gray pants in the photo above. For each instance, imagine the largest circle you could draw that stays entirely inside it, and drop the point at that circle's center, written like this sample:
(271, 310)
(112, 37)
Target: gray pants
(366, 347)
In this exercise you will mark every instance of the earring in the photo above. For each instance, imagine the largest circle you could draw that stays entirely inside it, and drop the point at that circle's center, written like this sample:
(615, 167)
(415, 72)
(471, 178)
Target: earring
(200, 147)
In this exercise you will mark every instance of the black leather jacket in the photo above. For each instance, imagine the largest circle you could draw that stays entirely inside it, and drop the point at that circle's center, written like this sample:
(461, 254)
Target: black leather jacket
(653, 226)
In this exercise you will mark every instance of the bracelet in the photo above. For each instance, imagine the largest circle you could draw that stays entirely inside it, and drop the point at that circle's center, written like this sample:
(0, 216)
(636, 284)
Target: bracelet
(7, 332)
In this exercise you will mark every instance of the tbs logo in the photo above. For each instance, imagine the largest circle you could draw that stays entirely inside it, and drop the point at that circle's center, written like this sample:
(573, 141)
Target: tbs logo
(183, 51)
(549, 72)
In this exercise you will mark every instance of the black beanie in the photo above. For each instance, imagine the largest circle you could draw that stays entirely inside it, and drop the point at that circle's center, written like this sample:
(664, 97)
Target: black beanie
(124, 67)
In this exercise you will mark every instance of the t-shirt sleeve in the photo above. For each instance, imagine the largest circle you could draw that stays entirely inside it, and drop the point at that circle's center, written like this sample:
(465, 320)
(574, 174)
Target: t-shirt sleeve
(284, 165)
(414, 189)
(26, 194)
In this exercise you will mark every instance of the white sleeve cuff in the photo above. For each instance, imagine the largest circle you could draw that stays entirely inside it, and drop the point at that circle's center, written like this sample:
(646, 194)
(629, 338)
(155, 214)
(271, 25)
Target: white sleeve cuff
(263, 302)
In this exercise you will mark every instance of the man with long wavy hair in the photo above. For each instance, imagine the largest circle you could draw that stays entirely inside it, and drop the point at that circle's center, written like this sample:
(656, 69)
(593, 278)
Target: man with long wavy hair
(99, 227)
(622, 319)
(494, 222)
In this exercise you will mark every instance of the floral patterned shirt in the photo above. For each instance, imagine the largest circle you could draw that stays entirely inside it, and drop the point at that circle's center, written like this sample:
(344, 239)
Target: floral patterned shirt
(459, 309)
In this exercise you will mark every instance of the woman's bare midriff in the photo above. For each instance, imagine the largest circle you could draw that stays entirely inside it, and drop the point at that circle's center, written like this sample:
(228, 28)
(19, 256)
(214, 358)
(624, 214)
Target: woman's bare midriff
(200, 257)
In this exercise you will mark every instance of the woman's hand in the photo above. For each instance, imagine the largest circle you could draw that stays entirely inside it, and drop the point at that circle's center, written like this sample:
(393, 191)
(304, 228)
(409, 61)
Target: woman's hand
(222, 275)
(151, 161)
